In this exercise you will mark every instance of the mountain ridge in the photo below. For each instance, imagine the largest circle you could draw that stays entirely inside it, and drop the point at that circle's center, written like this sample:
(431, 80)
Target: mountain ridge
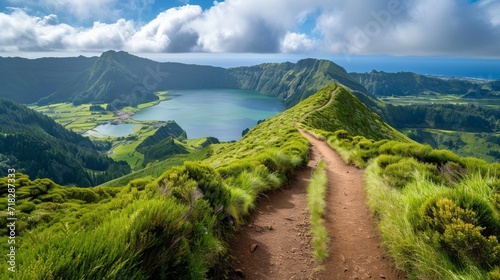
(126, 79)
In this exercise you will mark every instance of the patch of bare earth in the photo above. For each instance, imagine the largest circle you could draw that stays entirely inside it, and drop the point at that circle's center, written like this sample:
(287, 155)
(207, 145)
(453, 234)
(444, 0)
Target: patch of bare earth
(276, 242)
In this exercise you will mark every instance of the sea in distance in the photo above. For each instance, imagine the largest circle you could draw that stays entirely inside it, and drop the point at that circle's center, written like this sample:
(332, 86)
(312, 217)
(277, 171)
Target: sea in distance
(221, 113)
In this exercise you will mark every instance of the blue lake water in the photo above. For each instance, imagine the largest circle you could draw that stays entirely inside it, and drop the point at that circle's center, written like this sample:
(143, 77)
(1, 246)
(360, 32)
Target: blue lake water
(221, 113)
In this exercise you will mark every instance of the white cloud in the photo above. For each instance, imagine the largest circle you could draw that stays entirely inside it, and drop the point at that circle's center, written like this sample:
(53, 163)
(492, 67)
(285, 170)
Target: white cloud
(418, 27)
(297, 43)
(21, 32)
(101, 36)
(248, 26)
(167, 32)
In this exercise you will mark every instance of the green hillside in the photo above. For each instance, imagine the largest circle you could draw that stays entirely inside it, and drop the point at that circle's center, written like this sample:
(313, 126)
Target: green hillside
(187, 210)
(38, 146)
(171, 227)
(122, 79)
(439, 213)
(29, 80)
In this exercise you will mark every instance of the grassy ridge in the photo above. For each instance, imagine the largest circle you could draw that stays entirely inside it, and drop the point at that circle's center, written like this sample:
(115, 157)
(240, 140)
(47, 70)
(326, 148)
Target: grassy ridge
(439, 213)
(346, 112)
(316, 203)
(171, 227)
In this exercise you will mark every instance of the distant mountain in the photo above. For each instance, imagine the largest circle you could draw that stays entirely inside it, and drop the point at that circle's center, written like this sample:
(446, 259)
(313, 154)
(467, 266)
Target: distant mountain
(36, 145)
(406, 83)
(29, 80)
(114, 77)
(293, 81)
(123, 79)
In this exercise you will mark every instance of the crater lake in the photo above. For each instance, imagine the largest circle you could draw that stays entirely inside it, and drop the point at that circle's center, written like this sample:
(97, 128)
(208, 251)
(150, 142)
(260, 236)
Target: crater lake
(221, 113)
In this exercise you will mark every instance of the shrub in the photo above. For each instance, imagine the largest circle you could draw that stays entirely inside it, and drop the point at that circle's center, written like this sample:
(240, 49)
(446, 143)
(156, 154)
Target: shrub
(384, 160)
(402, 172)
(440, 157)
(460, 231)
(84, 194)
(495, 273)
(27, 207)
(140, 183)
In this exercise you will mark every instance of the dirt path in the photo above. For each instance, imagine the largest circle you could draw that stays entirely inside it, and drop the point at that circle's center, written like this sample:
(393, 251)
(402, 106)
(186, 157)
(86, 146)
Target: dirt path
(276, 243)
(284, 252)
(280, 228)
(354, 249)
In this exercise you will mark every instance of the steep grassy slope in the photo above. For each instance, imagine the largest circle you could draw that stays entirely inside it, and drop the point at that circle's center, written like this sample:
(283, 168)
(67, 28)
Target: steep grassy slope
(347, 112)
(38, 146)
(439, 213)
(171, 227)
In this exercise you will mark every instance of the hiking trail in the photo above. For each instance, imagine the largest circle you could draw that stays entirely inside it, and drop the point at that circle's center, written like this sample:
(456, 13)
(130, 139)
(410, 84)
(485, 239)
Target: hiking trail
(276, 243)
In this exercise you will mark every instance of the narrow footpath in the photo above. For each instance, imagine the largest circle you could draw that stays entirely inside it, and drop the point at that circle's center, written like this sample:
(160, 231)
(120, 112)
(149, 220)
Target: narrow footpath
(354, 248)
(276, 242)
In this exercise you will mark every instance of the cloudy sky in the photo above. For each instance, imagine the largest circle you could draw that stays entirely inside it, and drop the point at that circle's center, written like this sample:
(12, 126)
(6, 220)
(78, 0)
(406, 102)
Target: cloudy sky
(458, 28)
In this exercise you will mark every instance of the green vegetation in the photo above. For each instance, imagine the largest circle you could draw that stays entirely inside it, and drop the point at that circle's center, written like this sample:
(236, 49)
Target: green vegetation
(292, 81)
(133, 232)
(54, 80)
(40, 147)
(439, 110)
(481, 145)
(438, 212)
(345, 111)
(437, 103)
(161, 150)
(441, 99)
(76, 118)
(163, 143)
(171, 227)
(316, 203)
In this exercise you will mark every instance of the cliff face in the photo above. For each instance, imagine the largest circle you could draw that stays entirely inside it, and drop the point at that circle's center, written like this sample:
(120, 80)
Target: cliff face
(293, 82)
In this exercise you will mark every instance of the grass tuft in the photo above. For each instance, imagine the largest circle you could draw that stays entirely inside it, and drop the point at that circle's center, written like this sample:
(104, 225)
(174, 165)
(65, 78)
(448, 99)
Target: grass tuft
(316, 196)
